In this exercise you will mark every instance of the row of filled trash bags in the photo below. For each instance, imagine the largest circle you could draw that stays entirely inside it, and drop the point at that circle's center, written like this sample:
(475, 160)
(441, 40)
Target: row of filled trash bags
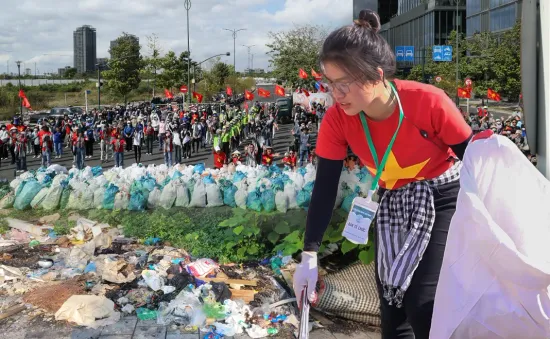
(138, 188)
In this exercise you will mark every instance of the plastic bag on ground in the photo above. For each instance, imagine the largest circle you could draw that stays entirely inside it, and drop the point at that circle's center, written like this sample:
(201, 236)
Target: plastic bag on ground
(198, 197)
(122, 200)
(39, 198)
(303, 198)
(64, 200)
(7, 201)
(240, 197)
(168, 196)
(138, 202)
(152, 279)
(254, 200)
(51, 201)
(281, 201)
(109, 197)
(213, 195)
(495, 276)
(88, 310)
(99, 195)
(182, 194)
(268, 200)
(24, 198)
(229, 195)
(348, 200)
(154, 198)
(291, 193)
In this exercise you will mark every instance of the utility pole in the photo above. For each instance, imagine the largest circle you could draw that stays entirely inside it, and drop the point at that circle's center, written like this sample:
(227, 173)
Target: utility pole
(98, 87)
(248, 65)
(234, 33)
(20, 98)
(187, 5)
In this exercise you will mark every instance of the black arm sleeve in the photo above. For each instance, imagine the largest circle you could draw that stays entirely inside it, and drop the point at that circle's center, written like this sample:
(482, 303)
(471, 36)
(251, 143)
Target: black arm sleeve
(322, 202)
(459, 149)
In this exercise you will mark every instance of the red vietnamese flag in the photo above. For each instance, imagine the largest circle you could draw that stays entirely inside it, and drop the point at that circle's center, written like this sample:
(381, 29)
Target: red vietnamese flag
(279, 90)
(306, 93)
(183, 89)
(302, 74)
(229, 91)
(316, 75)
(197, 96)
(264, 93)
(26, 102)
(248, 95)
(167, 94)
(493, 95)
(464, 93)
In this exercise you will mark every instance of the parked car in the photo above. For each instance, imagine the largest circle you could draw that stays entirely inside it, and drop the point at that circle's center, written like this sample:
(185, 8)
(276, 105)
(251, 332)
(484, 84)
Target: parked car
(55, 113)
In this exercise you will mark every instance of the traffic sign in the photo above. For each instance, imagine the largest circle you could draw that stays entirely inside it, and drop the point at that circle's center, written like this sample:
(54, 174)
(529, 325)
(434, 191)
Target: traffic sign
(183, 89)
(468, 82)
(404, 53)
(438, 79)
(88, 91)
(442, 53)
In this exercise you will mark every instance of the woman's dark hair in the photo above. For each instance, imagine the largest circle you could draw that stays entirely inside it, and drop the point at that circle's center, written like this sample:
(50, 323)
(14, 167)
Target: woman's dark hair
(359, 49)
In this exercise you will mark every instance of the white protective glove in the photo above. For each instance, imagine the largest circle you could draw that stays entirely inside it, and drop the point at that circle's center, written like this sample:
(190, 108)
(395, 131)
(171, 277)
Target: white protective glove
(306, 274)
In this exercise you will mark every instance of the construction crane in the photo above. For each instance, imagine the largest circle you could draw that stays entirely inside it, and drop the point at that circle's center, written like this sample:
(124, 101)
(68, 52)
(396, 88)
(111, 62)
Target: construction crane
(535, 79)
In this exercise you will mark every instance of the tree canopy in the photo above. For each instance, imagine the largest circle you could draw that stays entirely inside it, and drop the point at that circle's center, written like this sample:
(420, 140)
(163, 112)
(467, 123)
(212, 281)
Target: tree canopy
(294, 49)
(489, 60)
(125, 66)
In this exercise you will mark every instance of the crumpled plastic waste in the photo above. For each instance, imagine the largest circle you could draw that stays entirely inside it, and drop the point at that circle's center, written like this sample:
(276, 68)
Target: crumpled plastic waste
(88, 310)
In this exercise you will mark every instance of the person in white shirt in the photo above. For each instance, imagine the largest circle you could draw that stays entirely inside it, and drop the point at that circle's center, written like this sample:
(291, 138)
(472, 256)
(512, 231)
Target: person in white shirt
(138, 138)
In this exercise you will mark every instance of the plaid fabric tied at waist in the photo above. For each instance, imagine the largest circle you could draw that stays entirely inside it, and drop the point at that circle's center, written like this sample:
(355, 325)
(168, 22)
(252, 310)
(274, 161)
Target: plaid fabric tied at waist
(404, 224)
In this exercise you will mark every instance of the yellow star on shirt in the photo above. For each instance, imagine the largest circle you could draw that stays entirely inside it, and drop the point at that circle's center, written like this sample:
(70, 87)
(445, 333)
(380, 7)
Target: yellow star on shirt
(394, 172)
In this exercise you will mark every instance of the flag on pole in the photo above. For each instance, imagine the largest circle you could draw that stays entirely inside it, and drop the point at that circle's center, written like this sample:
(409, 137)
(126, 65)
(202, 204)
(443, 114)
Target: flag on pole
(302, 74)
(167, 94)
(229, 91)
(197, 96)
(493, 95)
(465, 93)
(248, 95)
(264, 93)
(26, 102)
(279, 90)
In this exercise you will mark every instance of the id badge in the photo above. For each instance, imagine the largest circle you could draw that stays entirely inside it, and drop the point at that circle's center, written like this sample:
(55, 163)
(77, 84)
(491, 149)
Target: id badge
(360, 217)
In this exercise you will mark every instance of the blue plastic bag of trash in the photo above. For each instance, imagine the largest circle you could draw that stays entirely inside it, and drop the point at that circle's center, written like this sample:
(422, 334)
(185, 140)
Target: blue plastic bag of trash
(138, 201)
(238, 176)
(176, 175)
(254, 200)
(348, 200)
(274, 169)
(148, 183)
(199, 168)
(97, 171)
(47, 181)
(302, 171)
(309, 186)
(109, 197)
(303, 199)
(229, 195)
(277, 184)
(363, 175)
(208, 180)
(25, 196)
(268, 200)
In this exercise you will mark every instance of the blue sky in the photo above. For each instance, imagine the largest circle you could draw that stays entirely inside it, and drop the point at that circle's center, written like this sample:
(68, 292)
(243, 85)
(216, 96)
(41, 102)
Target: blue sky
(33, 28)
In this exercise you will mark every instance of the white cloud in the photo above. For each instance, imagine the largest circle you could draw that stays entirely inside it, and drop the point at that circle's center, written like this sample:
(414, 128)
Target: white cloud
(33, 28)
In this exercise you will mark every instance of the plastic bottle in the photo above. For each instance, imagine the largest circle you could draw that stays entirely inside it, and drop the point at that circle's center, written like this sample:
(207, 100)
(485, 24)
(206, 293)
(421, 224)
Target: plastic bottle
(272, 331)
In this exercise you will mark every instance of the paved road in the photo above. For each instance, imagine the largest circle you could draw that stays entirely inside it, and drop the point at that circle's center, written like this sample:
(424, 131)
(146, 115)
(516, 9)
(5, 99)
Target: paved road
(281, 142)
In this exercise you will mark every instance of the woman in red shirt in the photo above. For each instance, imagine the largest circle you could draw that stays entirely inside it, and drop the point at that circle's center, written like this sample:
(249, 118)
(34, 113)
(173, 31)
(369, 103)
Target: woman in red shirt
(410, 136)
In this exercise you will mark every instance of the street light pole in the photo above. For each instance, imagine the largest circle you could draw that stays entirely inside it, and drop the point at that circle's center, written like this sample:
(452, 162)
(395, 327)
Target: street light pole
(200, 63)
(187, 5)
(20, 98)
(98, 87)
(234, 33)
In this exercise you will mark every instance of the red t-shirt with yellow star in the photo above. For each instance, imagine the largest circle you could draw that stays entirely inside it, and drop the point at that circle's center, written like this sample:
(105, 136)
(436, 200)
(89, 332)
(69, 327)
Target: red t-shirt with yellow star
(414, 156)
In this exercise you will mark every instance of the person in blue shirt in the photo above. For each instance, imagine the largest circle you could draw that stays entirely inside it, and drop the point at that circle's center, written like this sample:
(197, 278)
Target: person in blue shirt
(128, 135)
(58, 143)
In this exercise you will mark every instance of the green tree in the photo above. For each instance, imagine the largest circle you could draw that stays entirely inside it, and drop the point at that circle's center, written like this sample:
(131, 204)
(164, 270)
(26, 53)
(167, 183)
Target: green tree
(220, 73)
(174, 70)
(507, 67)
(153, 62)
(70, 73)
(291, 50)
(125, 66)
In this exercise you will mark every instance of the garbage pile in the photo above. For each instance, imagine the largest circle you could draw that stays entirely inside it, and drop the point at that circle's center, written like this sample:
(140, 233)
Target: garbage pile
(94, 275)
(138, 188)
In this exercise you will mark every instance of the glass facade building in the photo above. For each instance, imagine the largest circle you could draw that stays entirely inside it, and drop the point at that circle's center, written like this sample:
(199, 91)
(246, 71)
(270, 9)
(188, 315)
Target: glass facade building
(423, 24)
(491, 15)
(84, 44)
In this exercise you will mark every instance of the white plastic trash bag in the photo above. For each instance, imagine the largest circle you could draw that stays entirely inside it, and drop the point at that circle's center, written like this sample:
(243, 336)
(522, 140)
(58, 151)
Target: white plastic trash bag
(51, 201)
(281, 201)
(88, 310)
(182, 194)
(154, 198)
(291, 193)
(495, 277)
(122, 199)
(198, 198)
(98, 197)
(168, 196)
(39, 198)
(240, 197)
(213, 195)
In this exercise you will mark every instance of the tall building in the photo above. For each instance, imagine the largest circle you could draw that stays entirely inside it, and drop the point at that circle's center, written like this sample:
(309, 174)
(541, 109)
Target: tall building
(131, 37)
(85, 51)
(491, 15)
(422, 24)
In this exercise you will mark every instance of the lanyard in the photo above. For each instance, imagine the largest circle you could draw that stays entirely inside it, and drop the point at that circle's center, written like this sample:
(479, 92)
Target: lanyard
(380, 166)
